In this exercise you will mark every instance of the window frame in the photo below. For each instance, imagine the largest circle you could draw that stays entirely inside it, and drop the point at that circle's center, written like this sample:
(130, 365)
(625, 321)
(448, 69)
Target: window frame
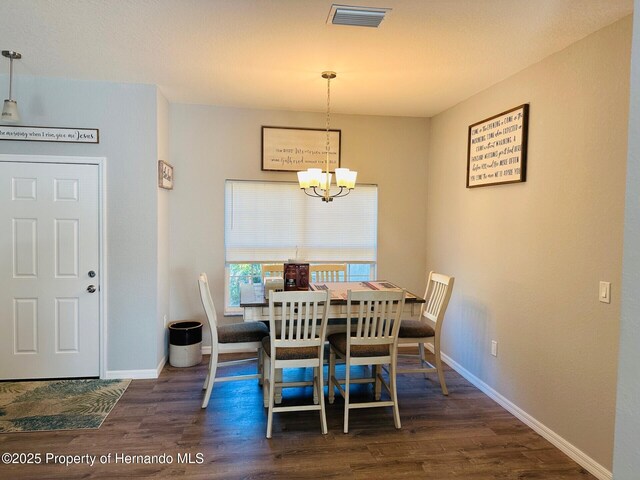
(233, 311)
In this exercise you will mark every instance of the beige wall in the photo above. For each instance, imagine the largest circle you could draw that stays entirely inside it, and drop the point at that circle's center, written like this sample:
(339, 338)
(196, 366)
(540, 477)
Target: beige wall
(528, 257)
(211, 144)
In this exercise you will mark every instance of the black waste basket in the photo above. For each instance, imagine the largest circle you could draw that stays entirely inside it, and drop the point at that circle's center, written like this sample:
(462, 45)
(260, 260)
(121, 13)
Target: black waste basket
(185, 343)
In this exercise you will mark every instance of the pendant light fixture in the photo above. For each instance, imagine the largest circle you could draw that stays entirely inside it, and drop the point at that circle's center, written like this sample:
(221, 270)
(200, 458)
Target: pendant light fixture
(10, 109)
(315, 178)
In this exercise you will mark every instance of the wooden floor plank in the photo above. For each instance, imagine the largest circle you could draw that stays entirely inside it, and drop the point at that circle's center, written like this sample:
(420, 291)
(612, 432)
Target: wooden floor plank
(463, 436)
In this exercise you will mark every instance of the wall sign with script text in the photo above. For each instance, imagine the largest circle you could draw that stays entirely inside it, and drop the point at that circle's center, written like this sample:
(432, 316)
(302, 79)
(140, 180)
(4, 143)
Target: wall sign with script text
(291, 149)
(497, 149)
(49, 134)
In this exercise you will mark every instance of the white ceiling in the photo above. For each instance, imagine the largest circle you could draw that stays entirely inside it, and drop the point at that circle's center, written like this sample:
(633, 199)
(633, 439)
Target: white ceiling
(426, 56)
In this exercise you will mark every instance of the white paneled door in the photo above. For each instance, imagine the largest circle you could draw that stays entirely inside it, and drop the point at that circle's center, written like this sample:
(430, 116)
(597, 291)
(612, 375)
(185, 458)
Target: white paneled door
(49, 277)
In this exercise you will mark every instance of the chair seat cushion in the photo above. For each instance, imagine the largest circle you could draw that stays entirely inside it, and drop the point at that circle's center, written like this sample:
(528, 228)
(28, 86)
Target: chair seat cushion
(289, 353)
(242, 332)
(339, 342)
(415, 329)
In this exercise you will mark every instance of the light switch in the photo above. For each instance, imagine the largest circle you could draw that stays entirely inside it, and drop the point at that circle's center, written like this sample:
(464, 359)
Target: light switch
(605, 292)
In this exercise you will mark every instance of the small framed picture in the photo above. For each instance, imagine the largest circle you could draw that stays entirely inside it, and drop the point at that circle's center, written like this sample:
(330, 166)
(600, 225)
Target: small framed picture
(165, 175)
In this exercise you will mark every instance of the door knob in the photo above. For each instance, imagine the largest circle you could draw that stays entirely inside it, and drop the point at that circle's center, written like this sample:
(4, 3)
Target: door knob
(91, 288)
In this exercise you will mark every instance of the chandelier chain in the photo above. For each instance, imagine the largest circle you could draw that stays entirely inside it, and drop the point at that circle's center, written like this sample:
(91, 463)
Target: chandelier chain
(326, 192)
(10, 77)
(328, 109)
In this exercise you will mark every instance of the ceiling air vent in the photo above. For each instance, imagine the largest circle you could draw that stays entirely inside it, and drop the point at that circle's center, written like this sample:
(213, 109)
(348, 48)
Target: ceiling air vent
(356, 16)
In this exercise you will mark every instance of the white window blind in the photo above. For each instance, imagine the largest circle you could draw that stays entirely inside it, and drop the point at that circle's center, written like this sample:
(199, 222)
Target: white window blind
(272, 221)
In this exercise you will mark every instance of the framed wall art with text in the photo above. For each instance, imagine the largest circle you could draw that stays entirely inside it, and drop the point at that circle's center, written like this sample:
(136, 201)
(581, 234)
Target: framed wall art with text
(497, 149)
(288, 149)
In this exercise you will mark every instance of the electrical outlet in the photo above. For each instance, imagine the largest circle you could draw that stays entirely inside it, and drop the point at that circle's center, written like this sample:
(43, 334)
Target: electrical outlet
(494, 348)
(604, 294)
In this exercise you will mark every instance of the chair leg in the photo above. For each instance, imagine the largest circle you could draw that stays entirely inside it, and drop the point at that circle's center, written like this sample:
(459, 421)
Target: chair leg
(332, 372)
(422, 357)
(272, 375)
(394, 391)
(266, 380)
(320, 390)
(260, 366)
(206, 379)
(277, 377)
(436, 349)
(211, 376)
(377, 390)
(346, 396)
(315, 386)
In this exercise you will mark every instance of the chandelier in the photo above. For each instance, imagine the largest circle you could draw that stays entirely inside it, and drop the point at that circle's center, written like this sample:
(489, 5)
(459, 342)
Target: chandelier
(314, 179)
(10, 108)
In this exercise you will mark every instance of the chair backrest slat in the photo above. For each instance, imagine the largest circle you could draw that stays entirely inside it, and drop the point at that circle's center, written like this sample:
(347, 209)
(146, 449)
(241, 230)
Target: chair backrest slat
(298, 308)
(388, 314)
(360, 317)
(314, 325)
(381, 327)
(307, 325)
(367, 319)
(375, 319)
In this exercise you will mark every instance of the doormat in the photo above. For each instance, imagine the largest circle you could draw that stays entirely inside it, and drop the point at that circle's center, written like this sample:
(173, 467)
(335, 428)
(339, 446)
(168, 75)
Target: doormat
(57, 404)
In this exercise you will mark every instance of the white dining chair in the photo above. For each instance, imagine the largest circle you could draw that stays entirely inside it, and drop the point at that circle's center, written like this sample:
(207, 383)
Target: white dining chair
(373, 342)
(247, 335)
(272, 270)
(428, 329)
(295, 340)
(328, 272)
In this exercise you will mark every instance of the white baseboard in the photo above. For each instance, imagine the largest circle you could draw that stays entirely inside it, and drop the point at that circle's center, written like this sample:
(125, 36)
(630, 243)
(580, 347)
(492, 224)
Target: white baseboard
(161, 365)
(563, 445)
(137, 374)
(155, 373)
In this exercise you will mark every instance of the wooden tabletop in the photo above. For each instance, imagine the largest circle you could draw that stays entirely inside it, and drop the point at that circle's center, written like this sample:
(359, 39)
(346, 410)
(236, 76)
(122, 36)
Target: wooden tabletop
(252, 295)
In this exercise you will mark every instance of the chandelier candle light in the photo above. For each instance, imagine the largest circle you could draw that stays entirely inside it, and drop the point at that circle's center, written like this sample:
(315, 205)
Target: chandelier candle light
(315, 178)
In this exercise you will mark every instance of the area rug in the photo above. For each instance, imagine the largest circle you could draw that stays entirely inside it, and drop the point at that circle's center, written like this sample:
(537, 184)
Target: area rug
(57, 404)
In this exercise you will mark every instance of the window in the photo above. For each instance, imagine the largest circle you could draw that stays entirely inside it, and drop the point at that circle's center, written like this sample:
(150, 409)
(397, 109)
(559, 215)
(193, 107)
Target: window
(244, 273)
(270, 222)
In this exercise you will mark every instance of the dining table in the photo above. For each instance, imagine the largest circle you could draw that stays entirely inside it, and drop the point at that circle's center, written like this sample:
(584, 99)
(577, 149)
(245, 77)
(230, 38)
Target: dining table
(256, 307)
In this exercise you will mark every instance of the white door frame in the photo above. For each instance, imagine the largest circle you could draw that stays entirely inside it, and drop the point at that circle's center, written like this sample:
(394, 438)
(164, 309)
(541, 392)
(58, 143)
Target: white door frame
(101, 162)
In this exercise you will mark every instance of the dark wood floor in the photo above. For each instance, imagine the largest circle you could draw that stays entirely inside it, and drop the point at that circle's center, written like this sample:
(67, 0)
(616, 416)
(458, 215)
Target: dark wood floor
(464, 436)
